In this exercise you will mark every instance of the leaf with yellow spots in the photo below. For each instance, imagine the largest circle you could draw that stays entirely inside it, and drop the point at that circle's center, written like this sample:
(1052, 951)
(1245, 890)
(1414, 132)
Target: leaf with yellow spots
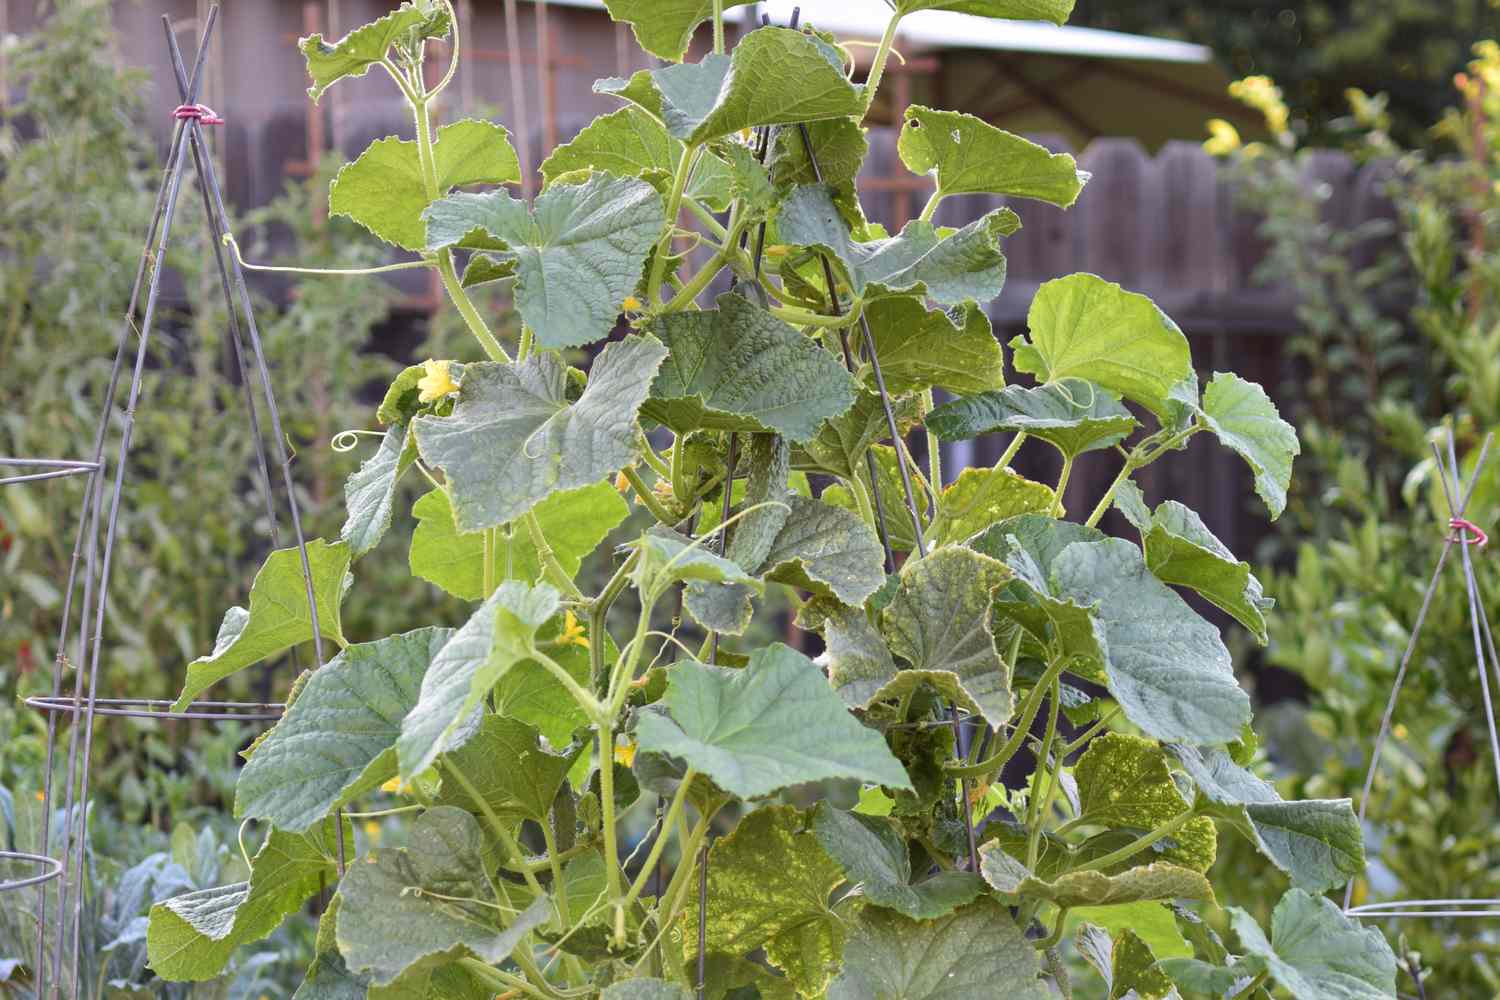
(1124, 781)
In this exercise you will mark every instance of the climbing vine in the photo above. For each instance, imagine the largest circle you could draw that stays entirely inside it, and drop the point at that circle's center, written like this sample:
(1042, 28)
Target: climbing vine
(759, 375)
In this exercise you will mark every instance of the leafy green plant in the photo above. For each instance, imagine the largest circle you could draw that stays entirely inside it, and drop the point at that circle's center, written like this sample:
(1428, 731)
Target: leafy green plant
(509, 750)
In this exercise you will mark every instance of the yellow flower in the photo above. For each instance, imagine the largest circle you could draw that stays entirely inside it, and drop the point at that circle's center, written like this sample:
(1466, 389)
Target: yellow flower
(572, 633)
(372, 831)
(394, 785)
(1223, 138)
(1399, 731)
(625, 755)
(631, 304)
(1262, 94)
(621, 482)
(437, 383)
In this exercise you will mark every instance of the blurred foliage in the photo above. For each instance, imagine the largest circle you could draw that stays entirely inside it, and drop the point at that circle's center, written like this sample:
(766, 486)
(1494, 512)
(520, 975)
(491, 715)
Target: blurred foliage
(1401, 332)
(1316, 49)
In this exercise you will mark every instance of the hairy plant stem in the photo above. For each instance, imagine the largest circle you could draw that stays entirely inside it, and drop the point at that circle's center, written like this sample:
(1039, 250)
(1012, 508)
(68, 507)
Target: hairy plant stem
(674, 810)
(882, 55)
(1029, 710)
(1040, 804)
(680, 488)
(1058, 510)
(719, 27)
(1082, 739)
(526, 345)
(657, 463)
(559, 887)
(1138, 845)
(861, 499)
(586, 701)
(505, 983)
(802, 317)
(607, 810)
(599, 621)
(647, 496)
(550, 565)
(680, 177)
(1252, 986)
(934, 452)
(930, 209)
(489, 562)
(1011, 449)
(1109, 495)
(687, 867)
(1139, 457)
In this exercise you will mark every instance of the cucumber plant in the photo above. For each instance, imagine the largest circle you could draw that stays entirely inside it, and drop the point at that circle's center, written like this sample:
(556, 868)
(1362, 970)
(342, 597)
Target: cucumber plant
(967, 626)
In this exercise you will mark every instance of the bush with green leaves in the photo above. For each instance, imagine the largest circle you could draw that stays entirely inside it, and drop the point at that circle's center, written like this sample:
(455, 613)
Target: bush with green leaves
(874, 851)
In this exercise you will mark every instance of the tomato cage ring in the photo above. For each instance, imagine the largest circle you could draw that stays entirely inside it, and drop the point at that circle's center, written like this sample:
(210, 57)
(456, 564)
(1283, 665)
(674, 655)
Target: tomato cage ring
(1427, 909)
(51, 468)
(51, 869)
(158, 708)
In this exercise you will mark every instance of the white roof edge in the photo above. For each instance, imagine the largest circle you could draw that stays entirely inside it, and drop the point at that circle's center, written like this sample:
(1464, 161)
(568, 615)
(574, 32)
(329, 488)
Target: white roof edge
(947, 30)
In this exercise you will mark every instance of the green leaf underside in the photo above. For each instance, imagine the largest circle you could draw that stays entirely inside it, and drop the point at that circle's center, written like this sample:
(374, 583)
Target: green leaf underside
(1318, 842)
(513, 440)
(966, 266)
(975, 951)
(665, 27)
(1243, 418)
(370, 493)
(527, 783)
(338, 739)
(1056, 11)
(1156, 881)
(1072, 415)
(1180, 550)
(279, 616)
(979, 498)
(356, 52)
(967, 155)
(1168, 669)
(939, 620)
(1124, 782)
(738, 368)
(578, 252)
(1085, 327)
(387, 922)
(771, 725)
(1314, 953)
(383, 189)
(724, 94)
(769, 883)
(191, 937)
(921, 349)
(874, 858)
(480, 653)
(574, 522)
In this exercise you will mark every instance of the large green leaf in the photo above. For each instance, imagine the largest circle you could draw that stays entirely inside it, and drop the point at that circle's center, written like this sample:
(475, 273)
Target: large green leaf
(356, 52)
(338, 740)
(939, 620)
(738, 368)
(191, 937)
(1085, 327)
(1314, 953)
(920, 349)
(1156, 881)
(383, 189)
(769, 883)
(1317, 842)
(498, 635)
(724, 94)
(665, 27)
(965, 266)
(874, 858)
(528, 693)
(860, 664)
(279, 616)
(1181, 551)
(409, 909)
(513, 440)
(578, 252)
(1124, 781)
(770, 725)
(1072, 415)
(523, 788)
(967, 155)
(1168, 668)
(574, 522)
(1056, 11)
(1244, 419)
(979, 498)
(826, 549)
(632, 143)
(370, 494)
(973, 952)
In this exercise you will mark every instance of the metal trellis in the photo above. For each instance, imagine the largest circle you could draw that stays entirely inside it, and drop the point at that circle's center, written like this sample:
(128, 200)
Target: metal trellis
(61, 870)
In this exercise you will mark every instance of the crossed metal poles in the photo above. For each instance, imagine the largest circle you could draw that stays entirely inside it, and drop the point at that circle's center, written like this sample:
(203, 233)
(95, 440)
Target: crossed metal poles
(64, 872)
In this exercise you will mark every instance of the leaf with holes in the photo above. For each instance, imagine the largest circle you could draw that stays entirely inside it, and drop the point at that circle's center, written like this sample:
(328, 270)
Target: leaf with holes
(367, 45)
(967, 155)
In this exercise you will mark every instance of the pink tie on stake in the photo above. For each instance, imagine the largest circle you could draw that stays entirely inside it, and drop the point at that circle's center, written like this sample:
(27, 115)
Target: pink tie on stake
(1466, 532)
(201, 113)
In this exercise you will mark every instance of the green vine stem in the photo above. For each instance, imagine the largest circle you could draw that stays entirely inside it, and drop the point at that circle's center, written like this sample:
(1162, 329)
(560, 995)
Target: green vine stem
(647, 496)
(674, 810)
(719, 27)
(882, 55)
(685, 164)
(1010, 450)
(1138, 845)
(1040, 803)
(553, 568)
(1029, 711)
